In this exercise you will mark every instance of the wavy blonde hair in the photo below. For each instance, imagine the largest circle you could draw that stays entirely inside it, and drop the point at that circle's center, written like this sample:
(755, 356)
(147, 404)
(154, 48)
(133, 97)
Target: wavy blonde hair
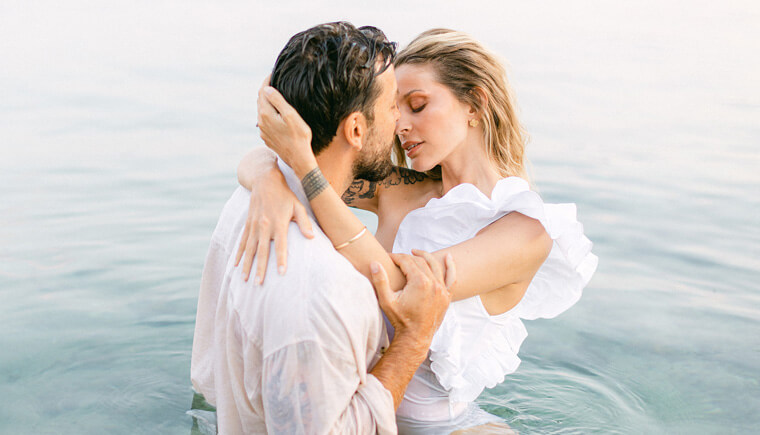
(471, 71)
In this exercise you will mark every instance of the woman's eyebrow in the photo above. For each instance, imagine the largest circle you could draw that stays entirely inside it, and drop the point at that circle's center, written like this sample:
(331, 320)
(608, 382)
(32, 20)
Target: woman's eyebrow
(410, 92)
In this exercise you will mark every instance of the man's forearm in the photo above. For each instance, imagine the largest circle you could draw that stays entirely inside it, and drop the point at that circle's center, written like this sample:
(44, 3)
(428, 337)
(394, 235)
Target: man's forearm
(397, 366)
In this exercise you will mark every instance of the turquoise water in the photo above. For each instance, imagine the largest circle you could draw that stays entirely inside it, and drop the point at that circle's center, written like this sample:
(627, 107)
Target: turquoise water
(122, 126)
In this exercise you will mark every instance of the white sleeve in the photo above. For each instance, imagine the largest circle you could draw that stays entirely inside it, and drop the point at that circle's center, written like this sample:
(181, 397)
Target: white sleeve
(308, 389)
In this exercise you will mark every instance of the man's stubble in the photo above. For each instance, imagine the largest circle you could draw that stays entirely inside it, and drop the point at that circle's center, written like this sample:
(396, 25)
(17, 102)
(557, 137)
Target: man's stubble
(374, 161)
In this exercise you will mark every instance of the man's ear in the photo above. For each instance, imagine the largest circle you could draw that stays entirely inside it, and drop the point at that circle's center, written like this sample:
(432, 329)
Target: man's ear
(355, 129)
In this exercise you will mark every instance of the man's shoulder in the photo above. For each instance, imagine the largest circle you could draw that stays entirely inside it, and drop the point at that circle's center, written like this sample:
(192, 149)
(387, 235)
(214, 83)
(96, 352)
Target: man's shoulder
(319, 285)
(315, 273)
(232, 217)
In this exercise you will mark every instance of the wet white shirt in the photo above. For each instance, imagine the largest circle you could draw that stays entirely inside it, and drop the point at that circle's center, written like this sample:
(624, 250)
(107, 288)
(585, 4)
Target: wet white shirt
(292, 355)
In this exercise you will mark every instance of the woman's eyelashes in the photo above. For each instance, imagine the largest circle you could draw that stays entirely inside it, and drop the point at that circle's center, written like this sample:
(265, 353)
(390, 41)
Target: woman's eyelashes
(418, 109)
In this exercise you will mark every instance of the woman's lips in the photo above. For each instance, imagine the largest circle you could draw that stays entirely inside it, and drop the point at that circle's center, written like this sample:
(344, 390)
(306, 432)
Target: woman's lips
(412, 149)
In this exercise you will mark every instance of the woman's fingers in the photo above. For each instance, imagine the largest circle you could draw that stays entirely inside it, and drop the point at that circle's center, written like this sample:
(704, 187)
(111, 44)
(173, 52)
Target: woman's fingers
(279, 103)
(262, 252)
(266, 112)
(281, 248)
(243, 240)
(250, 245)
(303, 221)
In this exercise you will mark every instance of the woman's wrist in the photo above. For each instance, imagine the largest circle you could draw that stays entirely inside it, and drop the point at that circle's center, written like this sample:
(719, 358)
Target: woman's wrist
(255, 166)
(267, 178)
(305, 165)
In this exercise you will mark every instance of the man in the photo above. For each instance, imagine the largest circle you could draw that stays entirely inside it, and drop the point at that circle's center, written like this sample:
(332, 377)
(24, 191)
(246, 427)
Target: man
(307, 352)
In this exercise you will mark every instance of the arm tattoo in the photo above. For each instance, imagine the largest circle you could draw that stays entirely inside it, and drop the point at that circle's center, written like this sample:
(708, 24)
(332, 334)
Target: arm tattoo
(314, 183)
(362, 189)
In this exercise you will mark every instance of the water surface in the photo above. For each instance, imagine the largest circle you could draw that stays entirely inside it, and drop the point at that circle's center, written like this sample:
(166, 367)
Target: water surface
(122, 125)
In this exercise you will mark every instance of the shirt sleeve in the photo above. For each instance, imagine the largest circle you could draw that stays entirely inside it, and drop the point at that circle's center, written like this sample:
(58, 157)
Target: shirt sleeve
(308, 389)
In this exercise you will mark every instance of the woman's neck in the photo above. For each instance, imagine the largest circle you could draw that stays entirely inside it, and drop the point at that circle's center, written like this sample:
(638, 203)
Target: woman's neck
(469, 163)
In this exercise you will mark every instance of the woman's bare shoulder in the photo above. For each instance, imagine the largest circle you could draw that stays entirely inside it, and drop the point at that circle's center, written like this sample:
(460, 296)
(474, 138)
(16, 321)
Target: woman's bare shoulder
(408, 185)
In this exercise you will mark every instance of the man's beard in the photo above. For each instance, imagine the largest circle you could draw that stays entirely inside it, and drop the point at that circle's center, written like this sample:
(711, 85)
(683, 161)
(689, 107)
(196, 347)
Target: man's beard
(374, 163)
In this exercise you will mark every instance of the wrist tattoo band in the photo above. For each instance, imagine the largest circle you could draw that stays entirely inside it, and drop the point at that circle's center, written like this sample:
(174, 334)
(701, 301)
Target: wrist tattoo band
(314, 183)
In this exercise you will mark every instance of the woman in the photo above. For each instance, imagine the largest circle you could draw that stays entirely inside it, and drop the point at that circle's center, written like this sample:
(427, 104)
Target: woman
(467, 195)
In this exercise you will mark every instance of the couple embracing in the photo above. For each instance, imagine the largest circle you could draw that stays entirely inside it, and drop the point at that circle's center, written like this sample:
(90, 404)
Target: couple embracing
(464, 249)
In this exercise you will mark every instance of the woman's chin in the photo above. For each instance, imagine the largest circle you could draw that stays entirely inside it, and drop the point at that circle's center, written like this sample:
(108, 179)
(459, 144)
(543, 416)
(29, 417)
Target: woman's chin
(421, 165)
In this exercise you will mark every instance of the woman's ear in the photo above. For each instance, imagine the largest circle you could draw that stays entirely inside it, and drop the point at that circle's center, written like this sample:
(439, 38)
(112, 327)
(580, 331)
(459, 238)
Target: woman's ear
(482, 98)
(355, 129)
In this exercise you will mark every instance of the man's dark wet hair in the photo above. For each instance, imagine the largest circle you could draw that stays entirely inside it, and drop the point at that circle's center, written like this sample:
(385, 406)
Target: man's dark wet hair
(328, 72)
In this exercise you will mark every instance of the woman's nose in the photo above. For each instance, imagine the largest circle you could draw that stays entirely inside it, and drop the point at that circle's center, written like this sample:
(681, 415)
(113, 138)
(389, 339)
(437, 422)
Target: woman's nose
(402, 127)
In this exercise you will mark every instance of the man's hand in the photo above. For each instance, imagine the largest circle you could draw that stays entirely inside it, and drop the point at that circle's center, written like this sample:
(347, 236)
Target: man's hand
(417, 310)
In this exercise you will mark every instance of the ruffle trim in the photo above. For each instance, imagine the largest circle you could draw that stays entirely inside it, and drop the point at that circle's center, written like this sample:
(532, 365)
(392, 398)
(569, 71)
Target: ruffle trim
(495, 355)
(466, 363)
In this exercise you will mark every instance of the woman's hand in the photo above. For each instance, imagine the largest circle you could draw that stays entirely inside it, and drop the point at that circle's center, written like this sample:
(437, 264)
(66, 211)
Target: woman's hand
(283, 130)
(273, 207)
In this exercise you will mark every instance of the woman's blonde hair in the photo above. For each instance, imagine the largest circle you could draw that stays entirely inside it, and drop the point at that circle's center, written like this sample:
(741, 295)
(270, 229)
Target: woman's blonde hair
(472, 72)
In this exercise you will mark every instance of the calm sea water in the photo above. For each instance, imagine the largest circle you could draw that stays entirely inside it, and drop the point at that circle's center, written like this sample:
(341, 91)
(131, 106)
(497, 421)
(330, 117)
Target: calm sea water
(122, 122)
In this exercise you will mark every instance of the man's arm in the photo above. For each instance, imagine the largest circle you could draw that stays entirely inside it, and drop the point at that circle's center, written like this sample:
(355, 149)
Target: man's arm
(416, 312)
(315, 386)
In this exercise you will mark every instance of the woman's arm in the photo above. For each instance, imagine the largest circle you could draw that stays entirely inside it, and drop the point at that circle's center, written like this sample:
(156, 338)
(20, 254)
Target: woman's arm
(507, 252)
(272, 207)
(256, 165)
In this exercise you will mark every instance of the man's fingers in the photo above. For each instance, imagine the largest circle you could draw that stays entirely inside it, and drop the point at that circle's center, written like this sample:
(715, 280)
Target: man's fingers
(303, 221)
(381, 284)
(424, 267)
(281, 249)
(451, 271)
(409, 267)
(435, 266)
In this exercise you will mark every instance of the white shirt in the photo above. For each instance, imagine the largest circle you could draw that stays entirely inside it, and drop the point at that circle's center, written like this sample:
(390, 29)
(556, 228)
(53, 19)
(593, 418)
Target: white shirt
(292, 355)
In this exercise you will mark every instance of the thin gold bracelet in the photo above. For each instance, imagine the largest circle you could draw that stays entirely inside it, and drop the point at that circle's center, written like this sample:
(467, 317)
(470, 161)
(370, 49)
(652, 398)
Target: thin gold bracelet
(353, 239)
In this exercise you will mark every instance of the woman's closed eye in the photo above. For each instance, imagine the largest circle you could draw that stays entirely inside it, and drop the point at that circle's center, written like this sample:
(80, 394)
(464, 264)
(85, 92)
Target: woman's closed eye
(418, 109)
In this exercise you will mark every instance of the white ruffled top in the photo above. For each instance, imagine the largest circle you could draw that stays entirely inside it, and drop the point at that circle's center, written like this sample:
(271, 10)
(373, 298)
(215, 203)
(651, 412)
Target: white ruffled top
(473, 350)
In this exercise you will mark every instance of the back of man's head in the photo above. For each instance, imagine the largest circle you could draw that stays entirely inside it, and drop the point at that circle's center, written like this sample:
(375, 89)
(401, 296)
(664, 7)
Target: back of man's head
(328, 72)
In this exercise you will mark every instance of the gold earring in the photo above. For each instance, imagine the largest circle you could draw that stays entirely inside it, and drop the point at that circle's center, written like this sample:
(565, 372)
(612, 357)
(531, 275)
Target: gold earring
(474, 123)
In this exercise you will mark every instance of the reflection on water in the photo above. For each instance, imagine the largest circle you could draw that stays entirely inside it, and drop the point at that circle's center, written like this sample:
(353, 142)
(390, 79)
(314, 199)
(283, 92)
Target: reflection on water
(122, 125)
